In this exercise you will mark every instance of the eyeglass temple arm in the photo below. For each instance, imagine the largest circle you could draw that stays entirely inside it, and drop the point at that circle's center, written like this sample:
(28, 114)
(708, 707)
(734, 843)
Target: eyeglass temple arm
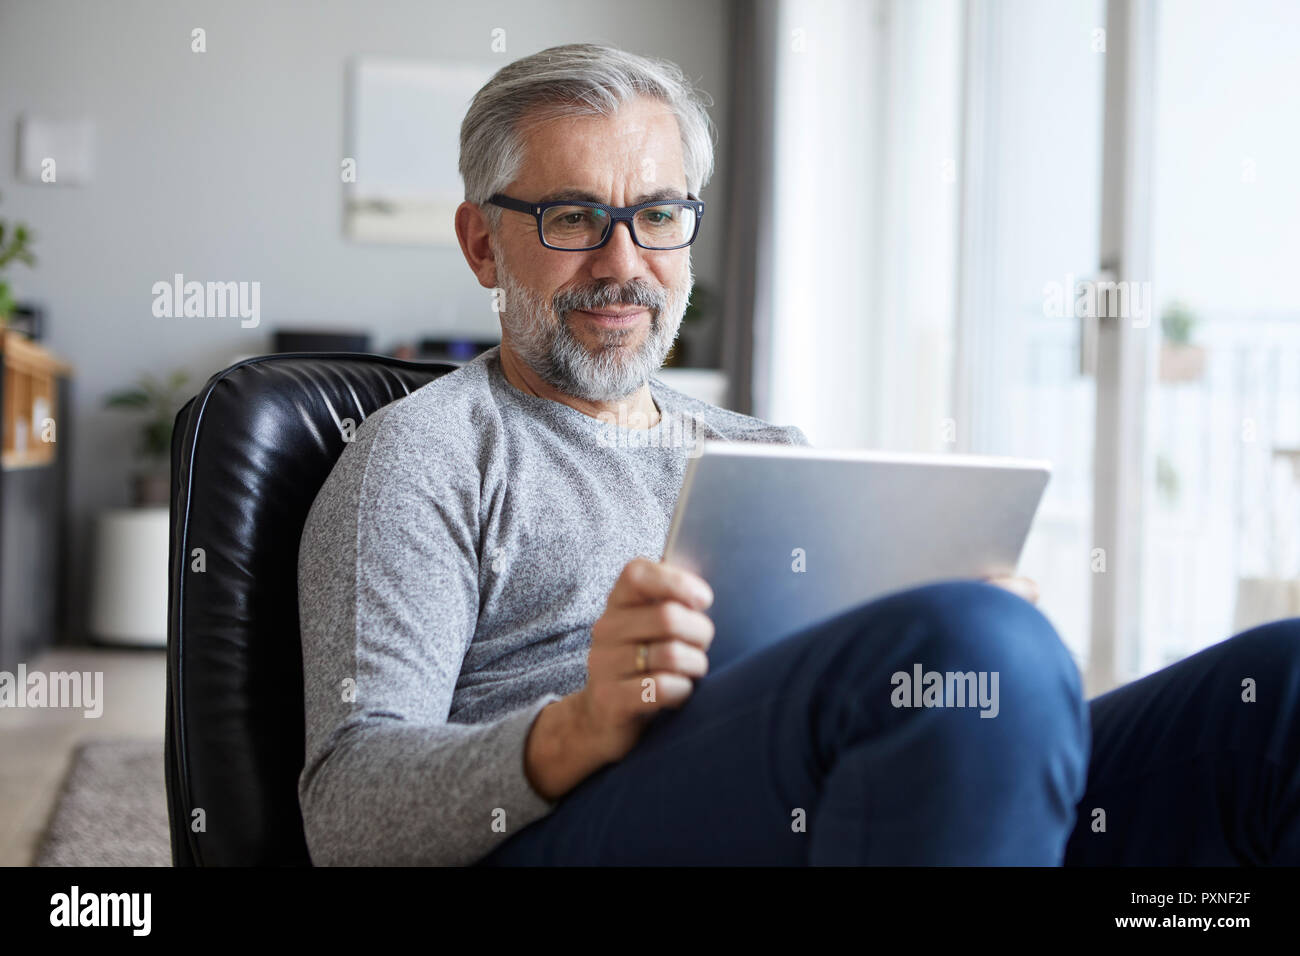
(518, 205)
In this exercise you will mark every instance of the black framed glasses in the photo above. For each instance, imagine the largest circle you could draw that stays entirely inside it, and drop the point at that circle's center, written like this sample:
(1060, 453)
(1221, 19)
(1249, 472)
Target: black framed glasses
(577, 226)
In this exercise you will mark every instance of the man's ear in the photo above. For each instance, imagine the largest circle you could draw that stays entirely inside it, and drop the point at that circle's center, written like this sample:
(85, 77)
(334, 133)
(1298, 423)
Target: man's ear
(476, 243)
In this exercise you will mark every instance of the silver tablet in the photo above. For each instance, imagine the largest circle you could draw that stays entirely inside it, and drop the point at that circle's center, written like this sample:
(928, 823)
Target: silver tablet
(788, 535)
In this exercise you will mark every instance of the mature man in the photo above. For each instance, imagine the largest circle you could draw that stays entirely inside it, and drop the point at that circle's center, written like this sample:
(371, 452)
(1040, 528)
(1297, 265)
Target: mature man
(498, 670)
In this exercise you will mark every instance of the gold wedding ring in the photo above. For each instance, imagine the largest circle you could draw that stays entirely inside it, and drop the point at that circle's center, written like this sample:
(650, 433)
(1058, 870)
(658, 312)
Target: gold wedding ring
(642, 656)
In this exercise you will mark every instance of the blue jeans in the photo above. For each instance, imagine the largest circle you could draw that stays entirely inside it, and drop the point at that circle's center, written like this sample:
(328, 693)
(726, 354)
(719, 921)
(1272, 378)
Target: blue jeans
(859, 741)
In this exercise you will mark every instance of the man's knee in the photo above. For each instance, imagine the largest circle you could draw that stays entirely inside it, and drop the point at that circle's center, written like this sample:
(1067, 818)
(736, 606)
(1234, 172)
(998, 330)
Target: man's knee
(967, 644)
(1272, 648)
(1258, 678)
(957, 623)
(984, 687)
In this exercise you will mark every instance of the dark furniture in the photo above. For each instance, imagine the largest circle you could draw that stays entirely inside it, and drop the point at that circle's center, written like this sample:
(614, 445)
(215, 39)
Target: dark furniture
(308, 340)
(249, 454)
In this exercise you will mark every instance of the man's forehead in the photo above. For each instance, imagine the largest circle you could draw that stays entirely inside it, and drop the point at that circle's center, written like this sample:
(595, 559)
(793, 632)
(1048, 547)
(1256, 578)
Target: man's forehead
(572, 154)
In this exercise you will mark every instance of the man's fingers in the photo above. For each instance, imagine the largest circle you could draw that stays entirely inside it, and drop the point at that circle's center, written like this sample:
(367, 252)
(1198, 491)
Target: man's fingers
(628, 660)
(652, 691)
(1024, 587)
(667, 620)
(643, 581)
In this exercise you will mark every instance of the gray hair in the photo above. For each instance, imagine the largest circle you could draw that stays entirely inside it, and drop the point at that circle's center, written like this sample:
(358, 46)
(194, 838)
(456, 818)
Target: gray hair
(578, 79)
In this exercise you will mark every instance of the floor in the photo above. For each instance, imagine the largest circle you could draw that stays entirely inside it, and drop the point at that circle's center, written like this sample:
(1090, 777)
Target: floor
(37, 743)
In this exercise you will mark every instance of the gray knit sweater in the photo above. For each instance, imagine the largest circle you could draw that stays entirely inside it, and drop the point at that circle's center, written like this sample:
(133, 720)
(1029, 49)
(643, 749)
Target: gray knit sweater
(449, 574)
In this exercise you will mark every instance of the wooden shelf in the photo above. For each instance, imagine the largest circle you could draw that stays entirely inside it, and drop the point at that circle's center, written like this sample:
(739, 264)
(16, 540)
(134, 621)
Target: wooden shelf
(30, 398)
(36, 458)
(35, 547)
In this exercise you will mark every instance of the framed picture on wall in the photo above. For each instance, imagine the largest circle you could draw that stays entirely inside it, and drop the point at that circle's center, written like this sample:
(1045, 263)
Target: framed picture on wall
(404, 121)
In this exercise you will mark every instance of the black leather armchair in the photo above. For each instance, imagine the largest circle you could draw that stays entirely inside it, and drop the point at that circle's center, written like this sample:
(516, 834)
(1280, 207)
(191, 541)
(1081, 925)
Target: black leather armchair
(249, 454)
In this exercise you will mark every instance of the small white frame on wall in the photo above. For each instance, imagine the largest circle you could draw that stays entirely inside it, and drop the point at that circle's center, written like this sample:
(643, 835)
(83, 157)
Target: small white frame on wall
(403, 142)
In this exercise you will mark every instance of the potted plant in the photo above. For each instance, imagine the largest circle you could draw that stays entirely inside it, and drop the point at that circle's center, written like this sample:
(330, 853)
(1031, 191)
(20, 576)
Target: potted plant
(690, 345)
(1180, 360)
(14, 243)
(158, 401)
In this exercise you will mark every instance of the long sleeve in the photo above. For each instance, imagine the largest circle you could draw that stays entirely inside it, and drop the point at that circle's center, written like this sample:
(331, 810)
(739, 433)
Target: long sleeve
(388, 602)
(797, 437)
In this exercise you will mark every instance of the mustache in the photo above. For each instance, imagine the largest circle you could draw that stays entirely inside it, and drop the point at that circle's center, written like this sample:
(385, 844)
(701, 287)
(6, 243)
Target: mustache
(636, 292)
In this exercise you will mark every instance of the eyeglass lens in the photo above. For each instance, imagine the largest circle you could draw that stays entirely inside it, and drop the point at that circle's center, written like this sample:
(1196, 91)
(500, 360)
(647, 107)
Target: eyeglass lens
(657, 227)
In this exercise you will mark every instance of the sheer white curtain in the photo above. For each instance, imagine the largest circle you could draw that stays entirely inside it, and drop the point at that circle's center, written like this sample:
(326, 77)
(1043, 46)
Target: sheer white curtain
(937, 165)
(854, 346)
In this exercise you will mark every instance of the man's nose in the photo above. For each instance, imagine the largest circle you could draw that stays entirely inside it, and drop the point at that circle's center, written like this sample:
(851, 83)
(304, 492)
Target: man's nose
(619, 259)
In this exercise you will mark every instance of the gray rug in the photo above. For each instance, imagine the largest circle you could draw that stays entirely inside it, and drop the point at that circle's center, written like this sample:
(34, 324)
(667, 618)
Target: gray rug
(112, 810)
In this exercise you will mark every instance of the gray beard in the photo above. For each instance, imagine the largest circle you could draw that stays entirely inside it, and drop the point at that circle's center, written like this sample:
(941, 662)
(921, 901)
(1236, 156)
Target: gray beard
(539, 333)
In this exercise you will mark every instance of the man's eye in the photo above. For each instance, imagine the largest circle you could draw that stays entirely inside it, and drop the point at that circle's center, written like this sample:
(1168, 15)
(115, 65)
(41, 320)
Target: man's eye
(658, 217)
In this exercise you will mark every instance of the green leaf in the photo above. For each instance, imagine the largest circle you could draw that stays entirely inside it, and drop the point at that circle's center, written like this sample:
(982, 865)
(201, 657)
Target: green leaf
(127, 398)
(157, 438)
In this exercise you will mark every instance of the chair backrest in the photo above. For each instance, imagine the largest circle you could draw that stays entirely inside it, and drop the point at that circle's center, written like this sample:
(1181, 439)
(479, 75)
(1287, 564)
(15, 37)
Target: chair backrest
(249, 453)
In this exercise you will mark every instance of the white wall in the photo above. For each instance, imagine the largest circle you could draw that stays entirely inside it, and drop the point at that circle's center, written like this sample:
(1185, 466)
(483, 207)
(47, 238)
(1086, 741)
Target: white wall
(225, 166)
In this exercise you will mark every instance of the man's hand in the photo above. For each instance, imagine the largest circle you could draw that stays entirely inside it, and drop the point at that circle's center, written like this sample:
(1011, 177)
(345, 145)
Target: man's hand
(1024, 587)
(646, 650)
(651, 642)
